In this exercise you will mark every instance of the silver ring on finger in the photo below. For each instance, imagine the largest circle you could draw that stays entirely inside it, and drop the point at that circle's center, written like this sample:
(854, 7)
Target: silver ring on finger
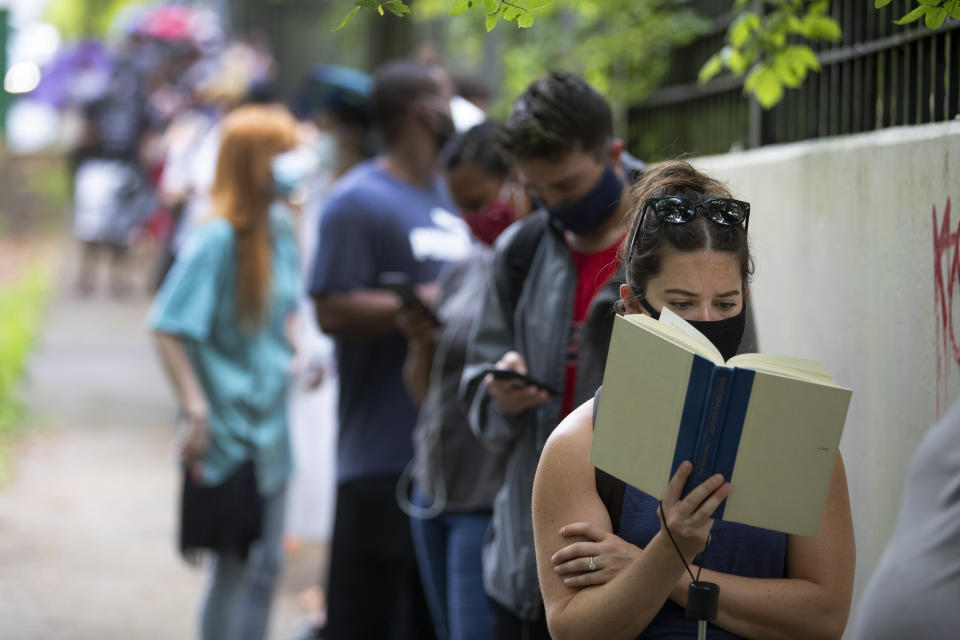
(593, 565)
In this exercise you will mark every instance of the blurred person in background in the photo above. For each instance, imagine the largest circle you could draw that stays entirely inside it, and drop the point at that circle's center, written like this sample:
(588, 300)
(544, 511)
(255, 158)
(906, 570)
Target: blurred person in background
(113, 193)
(332, 105)
(914, 591)
(218, 83)
(472, 88)
(222, 324)
(455, 477)
(390, 214)
(464, 113)
(187, 170)
(334, 99)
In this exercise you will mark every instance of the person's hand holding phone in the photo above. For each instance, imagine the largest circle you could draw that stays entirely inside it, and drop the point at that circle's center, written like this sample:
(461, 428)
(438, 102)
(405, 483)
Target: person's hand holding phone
(428, 292)
(419, 328)
(506, 393)
(410, 298)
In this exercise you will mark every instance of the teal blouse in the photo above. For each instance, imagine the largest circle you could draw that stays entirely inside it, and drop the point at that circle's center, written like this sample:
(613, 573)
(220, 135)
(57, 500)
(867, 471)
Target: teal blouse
(244, 373)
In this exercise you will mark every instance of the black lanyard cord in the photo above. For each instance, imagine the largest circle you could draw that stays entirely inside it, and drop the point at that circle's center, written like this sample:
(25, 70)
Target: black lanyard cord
(680, 553)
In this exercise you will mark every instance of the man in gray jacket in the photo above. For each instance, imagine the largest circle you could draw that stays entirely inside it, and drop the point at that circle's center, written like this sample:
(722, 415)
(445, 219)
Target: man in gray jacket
(547, 312)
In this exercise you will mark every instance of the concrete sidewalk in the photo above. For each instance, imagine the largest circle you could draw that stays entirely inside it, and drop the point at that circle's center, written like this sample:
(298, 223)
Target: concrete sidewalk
(87, 522)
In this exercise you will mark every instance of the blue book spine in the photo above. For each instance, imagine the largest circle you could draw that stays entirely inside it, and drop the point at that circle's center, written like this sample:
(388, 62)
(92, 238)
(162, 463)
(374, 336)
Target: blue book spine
(702, 373)
(711, 428)
(739, 398)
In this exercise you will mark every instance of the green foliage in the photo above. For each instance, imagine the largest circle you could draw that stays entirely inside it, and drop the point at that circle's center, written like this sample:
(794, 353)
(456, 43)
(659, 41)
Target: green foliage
(933, 12)
(76, 18)
(612, 43)
(518, 11)
(396, 7)
(763, 45)
(20, 306)
(622, 49)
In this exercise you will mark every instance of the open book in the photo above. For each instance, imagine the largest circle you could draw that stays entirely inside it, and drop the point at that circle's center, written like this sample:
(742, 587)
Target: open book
(770, 424)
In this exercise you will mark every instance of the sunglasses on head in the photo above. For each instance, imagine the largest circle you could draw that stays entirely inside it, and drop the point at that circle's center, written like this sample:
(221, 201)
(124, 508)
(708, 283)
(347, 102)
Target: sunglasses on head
(677, 210)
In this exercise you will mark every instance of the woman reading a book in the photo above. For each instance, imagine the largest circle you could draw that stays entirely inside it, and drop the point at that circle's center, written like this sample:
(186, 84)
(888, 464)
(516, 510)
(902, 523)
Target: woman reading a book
(687, 251)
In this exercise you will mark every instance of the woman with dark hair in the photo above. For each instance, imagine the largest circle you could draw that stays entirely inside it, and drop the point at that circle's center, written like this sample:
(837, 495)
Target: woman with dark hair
(221, 322)
(478, 172)
(455, 478)
(687, 250)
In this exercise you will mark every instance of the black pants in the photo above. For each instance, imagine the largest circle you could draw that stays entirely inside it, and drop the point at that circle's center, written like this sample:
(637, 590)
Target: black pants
(508, 626)
(374, 591)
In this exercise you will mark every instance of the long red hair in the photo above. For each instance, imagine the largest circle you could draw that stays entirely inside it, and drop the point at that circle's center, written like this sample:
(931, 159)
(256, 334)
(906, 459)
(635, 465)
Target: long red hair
(242, 191)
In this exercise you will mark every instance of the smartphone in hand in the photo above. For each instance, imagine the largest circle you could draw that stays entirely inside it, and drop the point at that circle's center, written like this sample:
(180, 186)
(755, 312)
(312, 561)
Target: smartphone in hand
(399, 285)
(518, 379)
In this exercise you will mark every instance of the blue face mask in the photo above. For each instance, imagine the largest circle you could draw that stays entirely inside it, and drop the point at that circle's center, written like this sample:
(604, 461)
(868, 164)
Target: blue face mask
(291, 169)
(591, 210)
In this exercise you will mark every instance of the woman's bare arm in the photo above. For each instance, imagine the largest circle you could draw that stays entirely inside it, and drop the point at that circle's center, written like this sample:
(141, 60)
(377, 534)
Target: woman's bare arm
(565, 491)
(177, 366)
(188, 391)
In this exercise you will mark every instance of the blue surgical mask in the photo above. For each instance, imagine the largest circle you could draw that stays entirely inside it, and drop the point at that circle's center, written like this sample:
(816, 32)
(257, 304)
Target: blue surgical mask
(291, 169)
(590, 211)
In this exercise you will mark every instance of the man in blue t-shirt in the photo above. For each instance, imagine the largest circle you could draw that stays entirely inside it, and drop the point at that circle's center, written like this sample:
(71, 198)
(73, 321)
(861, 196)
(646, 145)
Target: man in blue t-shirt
(390, 214)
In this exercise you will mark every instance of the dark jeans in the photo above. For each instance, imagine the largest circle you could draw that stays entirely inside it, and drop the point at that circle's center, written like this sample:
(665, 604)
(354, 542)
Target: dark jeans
(507, 626)
(374, 591)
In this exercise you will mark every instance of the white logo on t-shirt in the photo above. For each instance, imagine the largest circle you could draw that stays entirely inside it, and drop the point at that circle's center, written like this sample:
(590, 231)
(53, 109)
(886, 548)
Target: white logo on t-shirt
(448, 241)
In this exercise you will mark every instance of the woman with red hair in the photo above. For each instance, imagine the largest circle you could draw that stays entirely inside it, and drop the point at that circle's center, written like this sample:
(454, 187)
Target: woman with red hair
(221, 322)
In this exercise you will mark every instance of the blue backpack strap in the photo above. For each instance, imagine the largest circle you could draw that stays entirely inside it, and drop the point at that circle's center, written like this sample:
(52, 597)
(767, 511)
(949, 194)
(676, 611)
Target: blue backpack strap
(609, 489)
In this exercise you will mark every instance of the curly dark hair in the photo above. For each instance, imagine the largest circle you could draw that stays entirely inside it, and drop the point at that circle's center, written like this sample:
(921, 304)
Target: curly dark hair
(556, 114)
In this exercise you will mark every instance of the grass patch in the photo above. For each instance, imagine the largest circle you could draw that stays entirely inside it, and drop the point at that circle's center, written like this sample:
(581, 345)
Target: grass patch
(21, 303)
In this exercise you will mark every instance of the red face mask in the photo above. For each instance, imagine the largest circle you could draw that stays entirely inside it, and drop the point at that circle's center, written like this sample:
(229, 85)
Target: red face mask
(487, 222)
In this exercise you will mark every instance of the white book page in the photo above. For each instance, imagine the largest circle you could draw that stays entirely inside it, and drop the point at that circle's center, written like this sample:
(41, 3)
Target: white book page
(671, 319)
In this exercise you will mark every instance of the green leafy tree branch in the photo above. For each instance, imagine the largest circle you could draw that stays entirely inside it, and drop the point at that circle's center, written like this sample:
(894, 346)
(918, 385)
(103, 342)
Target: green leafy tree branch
(518, 11)
(767, 40)
(397, 7)
(759, 44)
(768, 45)
(608, 42)
(933, 12)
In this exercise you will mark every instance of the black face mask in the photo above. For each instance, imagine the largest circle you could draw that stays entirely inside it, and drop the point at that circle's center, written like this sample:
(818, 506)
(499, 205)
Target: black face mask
(595, 207)
(724, 334)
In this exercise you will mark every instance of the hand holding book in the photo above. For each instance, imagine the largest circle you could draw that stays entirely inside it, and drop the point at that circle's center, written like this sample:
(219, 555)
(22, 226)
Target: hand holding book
(690, 517)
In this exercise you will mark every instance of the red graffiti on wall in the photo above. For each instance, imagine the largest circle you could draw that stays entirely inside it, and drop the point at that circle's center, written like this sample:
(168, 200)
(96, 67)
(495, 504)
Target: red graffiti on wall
(946, 250)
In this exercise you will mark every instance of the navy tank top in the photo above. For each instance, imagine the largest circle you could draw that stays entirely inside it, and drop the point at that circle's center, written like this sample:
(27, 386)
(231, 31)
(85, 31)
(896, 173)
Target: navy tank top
(734, 548)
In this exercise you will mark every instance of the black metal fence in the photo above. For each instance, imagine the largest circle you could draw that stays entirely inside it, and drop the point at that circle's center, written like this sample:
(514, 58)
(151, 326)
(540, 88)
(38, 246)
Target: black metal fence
(879, 75)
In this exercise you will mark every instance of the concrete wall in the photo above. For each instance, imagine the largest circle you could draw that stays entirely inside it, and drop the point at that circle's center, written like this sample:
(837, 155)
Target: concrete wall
(844, 234)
